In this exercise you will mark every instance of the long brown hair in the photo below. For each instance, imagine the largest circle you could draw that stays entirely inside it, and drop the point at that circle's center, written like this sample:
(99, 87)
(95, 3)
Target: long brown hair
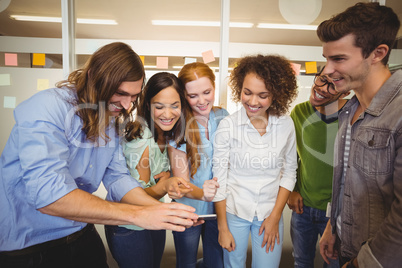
(191, 72)
(98, 81)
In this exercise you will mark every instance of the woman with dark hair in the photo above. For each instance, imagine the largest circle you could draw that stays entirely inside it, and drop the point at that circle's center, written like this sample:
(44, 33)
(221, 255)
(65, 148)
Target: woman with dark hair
(255, 161)
(160, 117)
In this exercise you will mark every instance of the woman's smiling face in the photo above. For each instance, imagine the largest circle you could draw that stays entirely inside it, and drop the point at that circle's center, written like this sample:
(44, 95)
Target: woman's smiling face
(200, 96)
(166, 108)
(255, 97)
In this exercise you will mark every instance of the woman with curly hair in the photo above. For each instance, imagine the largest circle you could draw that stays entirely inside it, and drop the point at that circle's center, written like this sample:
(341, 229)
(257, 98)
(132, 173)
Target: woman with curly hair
(255, 161)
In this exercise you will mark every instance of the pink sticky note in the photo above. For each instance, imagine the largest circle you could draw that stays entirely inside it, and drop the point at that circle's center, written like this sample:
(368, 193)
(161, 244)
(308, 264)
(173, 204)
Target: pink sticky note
(11, 59)
(296, 68)
(162, 62)
(208, 56)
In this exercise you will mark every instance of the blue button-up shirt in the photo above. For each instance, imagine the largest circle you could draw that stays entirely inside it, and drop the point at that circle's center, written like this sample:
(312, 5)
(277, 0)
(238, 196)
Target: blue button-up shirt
(46, 157)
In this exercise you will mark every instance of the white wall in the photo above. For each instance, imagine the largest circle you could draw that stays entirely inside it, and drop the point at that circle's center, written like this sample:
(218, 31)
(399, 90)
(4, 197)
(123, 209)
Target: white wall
(23, 84)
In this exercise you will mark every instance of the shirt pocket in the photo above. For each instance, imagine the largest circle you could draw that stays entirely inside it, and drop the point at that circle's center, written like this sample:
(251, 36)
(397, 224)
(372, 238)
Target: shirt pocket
(372, 151)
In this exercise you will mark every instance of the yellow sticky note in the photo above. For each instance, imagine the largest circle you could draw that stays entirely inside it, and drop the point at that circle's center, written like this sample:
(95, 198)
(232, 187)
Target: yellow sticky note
(38, 59)
(296, 68)
(10, 59)
(143, 60)
(311, 67)
(162, 62)
(208, 56)
(42, 84)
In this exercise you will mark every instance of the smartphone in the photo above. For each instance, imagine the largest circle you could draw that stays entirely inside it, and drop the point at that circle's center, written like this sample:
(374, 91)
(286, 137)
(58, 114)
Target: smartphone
(207, 217)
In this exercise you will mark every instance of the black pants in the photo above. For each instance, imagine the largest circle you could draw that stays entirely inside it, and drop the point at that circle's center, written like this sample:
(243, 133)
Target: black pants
(85, 251)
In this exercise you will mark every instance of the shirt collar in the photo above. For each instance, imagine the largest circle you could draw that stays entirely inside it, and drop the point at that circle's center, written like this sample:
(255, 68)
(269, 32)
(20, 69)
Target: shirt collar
(245, 120)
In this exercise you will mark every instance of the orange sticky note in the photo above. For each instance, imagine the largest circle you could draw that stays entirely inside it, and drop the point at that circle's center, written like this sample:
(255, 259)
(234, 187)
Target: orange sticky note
(162, 62)
(296, 68)
(311, 67)
(42, 84)
(208, 56)
(38, 59)
(143, 60)
(10, 59)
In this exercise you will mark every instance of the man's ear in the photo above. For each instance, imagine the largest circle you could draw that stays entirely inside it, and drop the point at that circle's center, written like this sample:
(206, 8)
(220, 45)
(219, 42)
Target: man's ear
(380, 52)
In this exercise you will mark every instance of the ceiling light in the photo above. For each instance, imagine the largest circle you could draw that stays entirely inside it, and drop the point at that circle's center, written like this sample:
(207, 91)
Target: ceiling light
(199, 23)
(58, 19)
(186, 23)
(240, 24)
(97, 21)
(287, 26)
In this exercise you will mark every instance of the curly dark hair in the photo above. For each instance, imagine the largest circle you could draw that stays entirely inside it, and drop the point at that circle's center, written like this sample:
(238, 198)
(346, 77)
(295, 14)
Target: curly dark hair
(278, 76)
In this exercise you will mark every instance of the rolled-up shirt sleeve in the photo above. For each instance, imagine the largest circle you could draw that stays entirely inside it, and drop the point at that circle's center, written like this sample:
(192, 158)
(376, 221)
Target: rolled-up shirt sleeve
(117, 179)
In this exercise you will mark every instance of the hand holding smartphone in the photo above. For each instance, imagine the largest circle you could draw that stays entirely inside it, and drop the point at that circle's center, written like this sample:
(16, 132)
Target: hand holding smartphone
(207, 217)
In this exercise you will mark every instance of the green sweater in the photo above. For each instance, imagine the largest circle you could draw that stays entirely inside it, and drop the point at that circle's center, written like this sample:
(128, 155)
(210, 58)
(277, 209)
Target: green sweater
(315, 134)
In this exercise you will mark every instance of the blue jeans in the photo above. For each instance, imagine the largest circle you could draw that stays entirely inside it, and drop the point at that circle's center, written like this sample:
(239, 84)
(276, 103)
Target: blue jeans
(132, 248)
(304, 231)
(186, 244)
(241, 230)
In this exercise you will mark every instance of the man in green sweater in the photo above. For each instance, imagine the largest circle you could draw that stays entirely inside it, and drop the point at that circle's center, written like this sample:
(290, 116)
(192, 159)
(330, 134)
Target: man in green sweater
(316, 124)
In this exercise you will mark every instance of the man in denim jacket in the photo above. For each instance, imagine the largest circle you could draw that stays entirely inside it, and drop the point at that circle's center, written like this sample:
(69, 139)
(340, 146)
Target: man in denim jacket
(366, 210)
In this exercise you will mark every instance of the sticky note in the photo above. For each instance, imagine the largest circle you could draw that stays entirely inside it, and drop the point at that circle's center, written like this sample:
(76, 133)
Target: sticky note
(311, 67)
(5, 80)
(208, 56)
(296, 68)
(189, 60)
(143, 60)
(42, 84)
(39, 59)
(9, 102)
(10, 59)
(162, 62)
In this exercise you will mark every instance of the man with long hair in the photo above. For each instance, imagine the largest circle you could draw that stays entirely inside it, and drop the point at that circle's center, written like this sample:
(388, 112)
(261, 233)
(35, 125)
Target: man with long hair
(64, 144)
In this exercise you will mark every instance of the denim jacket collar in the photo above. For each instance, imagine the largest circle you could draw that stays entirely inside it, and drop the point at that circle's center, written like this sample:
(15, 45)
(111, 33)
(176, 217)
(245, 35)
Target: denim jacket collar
(386, 94)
